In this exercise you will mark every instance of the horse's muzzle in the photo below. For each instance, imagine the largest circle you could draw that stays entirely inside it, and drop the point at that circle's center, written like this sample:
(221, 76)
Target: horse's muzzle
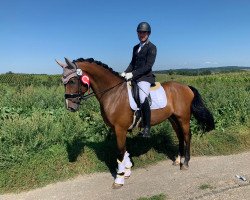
(72, 106)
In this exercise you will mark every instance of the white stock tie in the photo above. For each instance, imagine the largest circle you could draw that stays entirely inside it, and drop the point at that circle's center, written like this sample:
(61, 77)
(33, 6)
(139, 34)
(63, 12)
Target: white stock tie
(141, 45)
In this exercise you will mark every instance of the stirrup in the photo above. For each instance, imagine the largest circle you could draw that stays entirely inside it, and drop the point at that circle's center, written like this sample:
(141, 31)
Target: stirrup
(145, 133)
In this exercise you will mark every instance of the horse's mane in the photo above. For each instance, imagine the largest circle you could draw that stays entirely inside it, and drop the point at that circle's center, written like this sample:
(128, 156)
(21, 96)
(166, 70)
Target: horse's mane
(91, 60)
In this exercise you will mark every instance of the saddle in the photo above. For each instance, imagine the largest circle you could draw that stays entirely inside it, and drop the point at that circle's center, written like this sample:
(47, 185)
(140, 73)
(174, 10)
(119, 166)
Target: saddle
(137, 113)
(157, 100)
(135, 93)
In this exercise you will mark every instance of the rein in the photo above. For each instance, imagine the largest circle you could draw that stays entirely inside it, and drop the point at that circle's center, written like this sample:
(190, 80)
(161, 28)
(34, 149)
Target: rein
(102, 92)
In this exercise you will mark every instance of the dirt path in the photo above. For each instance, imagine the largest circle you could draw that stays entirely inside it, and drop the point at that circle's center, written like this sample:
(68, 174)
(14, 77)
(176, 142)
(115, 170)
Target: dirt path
(207, 178)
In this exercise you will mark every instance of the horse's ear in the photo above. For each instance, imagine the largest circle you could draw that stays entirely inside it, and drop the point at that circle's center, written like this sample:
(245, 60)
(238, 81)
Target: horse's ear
(61, 64)
(70, 64)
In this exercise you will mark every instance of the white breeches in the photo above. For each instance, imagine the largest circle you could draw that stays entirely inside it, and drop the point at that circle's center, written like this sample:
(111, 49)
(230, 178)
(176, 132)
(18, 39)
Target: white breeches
(144, 89)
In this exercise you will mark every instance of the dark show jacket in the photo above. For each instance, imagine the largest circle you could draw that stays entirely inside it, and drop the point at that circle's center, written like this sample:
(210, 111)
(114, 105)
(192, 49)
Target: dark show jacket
(142, 63)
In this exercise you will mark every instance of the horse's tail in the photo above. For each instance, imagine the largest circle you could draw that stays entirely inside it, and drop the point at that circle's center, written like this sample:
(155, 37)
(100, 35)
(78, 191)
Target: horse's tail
(201, 113)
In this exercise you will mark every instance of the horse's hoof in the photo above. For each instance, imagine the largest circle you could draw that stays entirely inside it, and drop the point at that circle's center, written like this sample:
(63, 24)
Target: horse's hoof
(184, 167)
(116, 186)
(176, 163)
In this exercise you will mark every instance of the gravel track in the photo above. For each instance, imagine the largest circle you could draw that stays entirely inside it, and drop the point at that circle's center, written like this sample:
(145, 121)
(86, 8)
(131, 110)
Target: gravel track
(208, 178)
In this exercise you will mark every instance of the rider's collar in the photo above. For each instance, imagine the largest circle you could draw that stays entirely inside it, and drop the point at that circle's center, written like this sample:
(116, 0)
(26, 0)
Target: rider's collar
(142, 44)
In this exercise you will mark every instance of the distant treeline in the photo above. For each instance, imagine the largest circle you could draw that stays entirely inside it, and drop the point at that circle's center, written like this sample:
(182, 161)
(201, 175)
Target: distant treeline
(13, 79)
(202, 71)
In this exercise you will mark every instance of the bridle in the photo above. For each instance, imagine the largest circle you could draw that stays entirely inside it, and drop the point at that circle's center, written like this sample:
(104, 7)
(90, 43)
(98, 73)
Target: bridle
(79, 94)
(84, 97)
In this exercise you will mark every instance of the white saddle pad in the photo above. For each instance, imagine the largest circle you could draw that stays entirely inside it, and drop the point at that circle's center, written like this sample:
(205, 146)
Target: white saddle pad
(158, 97)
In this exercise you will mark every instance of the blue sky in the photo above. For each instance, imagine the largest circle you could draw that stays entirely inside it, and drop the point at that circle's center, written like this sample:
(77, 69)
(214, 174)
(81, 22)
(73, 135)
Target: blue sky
(187, 33)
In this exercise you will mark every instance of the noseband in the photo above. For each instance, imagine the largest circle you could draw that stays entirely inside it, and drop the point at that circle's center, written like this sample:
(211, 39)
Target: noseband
(71, 96)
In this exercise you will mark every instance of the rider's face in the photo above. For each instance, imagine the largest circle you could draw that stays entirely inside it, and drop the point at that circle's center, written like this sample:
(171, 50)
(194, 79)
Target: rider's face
(143, 36)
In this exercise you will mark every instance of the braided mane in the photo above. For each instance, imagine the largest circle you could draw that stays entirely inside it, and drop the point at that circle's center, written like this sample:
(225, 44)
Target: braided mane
(99, 63)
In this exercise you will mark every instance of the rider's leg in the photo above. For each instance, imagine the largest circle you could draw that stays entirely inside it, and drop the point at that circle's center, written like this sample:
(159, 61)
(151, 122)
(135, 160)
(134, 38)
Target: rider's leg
(144, 88)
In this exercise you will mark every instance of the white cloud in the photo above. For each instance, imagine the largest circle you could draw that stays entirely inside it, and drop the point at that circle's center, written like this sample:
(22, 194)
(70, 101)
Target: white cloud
(210, 63)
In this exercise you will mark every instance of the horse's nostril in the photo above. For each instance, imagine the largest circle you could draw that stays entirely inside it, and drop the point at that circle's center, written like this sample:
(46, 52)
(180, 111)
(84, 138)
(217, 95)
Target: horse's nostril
(71, 109)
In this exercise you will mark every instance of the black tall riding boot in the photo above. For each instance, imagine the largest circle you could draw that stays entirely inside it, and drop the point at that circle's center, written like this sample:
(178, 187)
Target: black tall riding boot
(146, 117)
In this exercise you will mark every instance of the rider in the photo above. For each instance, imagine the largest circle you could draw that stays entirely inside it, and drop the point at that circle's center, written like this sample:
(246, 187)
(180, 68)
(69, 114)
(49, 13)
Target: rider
(140, 71)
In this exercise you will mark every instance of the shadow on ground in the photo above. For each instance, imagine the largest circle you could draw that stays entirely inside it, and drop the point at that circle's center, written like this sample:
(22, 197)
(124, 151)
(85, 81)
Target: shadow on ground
(106, 150)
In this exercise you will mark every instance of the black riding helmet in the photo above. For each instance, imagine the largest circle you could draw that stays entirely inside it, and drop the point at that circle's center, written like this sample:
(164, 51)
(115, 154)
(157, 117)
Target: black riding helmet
(144, 26)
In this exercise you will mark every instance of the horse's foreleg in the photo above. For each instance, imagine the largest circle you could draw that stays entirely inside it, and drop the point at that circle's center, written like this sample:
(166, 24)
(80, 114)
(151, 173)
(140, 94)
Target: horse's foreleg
(128, 165)
(121, 157)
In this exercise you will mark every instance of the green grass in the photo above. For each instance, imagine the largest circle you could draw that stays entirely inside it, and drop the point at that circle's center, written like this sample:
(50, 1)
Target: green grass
(50, 166)
(206, 186)
(230, 141)
(155, 197)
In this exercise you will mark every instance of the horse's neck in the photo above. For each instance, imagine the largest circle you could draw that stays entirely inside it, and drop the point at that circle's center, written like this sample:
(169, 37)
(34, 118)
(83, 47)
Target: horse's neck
(101, 79)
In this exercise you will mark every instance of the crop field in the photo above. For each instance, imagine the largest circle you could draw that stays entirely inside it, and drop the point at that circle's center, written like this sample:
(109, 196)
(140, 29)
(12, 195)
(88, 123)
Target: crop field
(41, 142)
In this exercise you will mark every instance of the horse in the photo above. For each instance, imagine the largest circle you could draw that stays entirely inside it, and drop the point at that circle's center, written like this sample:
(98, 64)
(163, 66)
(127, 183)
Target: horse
(110, 89)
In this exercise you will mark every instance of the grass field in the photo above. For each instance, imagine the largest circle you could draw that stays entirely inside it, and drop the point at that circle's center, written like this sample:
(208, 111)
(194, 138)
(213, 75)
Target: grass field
(41, 142)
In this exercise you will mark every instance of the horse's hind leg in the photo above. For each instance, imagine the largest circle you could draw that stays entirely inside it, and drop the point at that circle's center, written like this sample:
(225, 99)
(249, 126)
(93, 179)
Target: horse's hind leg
(187, 139)
(176, 126)
(182, 129)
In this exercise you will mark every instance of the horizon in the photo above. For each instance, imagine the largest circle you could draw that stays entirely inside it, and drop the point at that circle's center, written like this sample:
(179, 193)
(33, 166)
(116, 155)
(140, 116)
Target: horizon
(155, 71)
(196, 34)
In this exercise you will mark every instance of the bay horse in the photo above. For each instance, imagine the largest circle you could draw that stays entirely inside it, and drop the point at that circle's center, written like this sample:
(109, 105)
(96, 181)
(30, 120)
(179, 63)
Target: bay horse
(110, 90)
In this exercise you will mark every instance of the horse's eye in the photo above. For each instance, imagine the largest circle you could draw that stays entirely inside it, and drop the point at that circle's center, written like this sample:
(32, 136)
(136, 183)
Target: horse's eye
(71, 82)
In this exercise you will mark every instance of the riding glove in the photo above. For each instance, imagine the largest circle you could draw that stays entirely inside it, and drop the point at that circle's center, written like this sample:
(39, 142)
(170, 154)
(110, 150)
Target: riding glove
(123, 74)
(128, 76)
